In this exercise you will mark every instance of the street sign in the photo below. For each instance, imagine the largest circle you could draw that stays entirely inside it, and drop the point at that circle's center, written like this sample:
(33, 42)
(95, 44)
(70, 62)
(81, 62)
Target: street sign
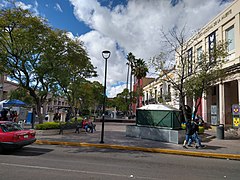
(236, 115)
(214, 119)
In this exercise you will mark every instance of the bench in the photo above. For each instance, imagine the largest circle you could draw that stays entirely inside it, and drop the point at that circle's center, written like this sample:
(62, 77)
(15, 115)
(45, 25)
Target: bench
(67, 126)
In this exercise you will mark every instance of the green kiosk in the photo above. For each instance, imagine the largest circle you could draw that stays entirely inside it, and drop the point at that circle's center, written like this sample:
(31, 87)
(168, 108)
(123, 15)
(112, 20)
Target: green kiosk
(159, 115)
(157, 122)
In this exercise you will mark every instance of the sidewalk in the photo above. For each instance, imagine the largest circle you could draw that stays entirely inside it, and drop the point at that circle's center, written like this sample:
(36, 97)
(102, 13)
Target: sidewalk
(115, 138)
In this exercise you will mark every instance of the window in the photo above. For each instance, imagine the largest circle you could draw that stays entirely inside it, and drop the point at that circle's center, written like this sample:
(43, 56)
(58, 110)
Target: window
(169, 89)
(211, 46)
(230, 38)
(199, 54)
(189, 53)
(156, 95)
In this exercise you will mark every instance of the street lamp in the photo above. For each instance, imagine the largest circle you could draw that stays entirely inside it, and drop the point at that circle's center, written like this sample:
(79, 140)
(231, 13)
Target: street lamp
(105, 54)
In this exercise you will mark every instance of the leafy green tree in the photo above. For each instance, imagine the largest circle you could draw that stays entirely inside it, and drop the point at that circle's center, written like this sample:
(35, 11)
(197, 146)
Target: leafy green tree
(23, 38)
(23, 95)
(122, 101)
(205, 74)
(90, 96)
(69, 66)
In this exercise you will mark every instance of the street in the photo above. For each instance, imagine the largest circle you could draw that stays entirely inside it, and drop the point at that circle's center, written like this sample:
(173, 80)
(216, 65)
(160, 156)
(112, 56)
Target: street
(62, 162)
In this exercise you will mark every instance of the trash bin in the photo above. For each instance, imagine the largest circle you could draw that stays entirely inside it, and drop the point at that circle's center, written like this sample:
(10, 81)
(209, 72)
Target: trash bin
(220, 131)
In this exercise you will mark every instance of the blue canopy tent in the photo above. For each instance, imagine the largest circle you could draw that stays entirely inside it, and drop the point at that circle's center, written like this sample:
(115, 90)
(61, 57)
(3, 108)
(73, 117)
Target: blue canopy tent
(12, 102)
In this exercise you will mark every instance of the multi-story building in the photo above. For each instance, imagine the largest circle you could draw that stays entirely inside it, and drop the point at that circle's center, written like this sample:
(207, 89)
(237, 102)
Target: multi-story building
(5, 87)
(143, 82)
(217, 107)
(161, 91)
(53, 104)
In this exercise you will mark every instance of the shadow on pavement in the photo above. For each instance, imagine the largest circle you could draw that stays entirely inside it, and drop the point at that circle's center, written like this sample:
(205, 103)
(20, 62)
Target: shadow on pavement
(27, 151)
(100, 150)
(213, 147)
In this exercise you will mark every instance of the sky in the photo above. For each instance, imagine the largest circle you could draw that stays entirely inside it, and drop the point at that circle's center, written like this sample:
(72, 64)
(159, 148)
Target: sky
(122, 26)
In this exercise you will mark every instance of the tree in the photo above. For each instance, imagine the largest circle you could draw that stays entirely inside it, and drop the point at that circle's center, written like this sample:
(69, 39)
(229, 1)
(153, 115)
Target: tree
(41, 60)
(140, 70)
(23, 95)
(122, 101)
(69, 66)
(191, 78)
(131, 60)
(23, 38)
(205, 74)
(90, 96)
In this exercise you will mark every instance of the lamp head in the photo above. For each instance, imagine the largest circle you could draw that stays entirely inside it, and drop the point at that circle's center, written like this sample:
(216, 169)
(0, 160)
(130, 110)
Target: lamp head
(106, 54)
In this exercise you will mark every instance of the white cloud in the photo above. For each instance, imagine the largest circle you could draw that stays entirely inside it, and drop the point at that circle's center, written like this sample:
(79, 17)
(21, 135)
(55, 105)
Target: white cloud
(135, 28)
(58, 7)
(4, 4)
(95, 43)
(115, 90)
(33, 8)
(23, 6)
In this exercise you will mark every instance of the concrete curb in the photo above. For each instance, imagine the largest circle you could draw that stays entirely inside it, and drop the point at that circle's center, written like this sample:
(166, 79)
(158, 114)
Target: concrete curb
(153, 150)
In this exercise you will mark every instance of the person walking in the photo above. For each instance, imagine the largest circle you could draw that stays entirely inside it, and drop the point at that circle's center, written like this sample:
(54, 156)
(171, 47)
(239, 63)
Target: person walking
(189, 133)
(195, 137)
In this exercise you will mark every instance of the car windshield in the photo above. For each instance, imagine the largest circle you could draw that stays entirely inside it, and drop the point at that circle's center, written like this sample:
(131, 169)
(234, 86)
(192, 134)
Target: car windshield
(8, 127)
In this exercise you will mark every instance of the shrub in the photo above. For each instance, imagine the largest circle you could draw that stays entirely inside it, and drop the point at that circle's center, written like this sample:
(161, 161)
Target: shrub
(48, 125)
(79, 119)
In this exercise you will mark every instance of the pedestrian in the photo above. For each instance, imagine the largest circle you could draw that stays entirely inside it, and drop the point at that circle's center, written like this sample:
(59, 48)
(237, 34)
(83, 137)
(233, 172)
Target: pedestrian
(195, 136)
(189, 133)
(78, 128)
(61, 128)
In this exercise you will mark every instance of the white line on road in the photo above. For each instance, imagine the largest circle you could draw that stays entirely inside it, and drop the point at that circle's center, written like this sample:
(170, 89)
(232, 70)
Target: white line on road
(76, 171)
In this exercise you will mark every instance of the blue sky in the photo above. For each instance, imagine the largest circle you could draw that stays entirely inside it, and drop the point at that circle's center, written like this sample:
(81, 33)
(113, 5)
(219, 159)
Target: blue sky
(60, 15)
(122, 26)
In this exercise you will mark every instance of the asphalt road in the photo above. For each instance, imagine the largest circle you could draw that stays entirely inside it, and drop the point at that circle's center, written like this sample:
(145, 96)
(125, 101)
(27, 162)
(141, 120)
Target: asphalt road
(60, 162)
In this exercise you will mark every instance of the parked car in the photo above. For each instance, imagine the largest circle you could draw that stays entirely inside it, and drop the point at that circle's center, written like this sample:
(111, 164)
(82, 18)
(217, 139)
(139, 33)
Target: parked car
(12, 136)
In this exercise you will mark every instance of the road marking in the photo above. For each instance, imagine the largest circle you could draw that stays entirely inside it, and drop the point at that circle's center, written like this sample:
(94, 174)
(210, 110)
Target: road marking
(76, 171)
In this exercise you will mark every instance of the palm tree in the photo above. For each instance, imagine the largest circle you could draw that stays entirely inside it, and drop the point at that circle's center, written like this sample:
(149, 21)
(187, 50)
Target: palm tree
(139, 70)
(131, 60)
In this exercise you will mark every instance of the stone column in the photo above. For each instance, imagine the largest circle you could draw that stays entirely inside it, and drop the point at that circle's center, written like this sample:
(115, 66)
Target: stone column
(221, 104)
(50, 116)
(237, 35)
(204, 108)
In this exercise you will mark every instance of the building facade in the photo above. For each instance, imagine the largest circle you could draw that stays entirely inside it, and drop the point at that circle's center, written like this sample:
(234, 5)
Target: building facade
(143, 82)
(223, 96)
(160, 91)
(52, 104)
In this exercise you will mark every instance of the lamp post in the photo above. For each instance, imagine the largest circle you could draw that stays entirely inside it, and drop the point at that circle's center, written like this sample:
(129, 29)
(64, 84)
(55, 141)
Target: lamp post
(105, 54)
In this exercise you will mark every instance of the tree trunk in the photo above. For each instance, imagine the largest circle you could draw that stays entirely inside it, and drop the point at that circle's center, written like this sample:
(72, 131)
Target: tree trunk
(131, 92)
(39, 113)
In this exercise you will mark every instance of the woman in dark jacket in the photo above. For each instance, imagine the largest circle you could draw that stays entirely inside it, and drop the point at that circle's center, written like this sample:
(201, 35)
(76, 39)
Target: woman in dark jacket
(189, 132)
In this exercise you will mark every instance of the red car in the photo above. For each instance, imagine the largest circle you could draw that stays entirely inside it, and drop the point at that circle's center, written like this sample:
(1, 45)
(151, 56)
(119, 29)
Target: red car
(12, 136)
